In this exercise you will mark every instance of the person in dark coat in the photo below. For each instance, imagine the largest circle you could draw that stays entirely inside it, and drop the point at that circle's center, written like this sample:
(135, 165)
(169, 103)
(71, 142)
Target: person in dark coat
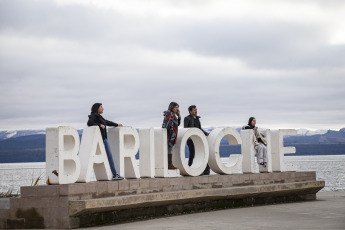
(193, 121)
(96, 119)
(171, 121)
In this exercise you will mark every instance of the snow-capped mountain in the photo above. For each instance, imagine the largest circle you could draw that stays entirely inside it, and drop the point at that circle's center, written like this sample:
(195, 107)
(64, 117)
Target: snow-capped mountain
(306, 132)
(6, 134)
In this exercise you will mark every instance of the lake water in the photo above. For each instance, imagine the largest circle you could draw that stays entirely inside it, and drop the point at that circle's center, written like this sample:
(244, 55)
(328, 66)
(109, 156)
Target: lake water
(330, 168)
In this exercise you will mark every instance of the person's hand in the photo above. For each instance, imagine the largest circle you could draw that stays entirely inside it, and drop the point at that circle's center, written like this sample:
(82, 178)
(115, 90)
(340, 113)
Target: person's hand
(207, 134)
(102, 126)
(178, 113)
(120, 125)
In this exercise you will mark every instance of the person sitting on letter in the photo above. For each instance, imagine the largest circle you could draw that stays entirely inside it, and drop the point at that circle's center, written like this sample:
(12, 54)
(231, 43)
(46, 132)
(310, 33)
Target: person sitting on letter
(171, 121)
(191, 121)
(95, 118)
(259, 142)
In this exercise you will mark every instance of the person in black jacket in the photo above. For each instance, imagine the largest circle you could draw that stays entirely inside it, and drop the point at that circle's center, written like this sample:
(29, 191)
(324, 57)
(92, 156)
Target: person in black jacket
(95, 118)
(193, 121)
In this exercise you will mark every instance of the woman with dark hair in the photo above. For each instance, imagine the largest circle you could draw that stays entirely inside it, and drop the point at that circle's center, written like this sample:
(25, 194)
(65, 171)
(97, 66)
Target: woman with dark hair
(171, 121)
(259, 142)
(95, 118)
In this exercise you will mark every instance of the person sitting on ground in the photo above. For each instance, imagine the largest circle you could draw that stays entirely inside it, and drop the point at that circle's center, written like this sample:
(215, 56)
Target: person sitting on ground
(95, 118)
(171, 121)
(259, 142)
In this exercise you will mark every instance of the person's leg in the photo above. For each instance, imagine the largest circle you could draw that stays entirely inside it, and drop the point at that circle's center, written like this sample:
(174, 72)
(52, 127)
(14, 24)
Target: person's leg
(260, 153)
(110, 157)
(264, 151)
(207, 170)
(170, 150)
(191, 152)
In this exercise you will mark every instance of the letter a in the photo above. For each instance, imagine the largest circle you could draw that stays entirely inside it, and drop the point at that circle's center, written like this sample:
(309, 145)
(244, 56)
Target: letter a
(93, 156)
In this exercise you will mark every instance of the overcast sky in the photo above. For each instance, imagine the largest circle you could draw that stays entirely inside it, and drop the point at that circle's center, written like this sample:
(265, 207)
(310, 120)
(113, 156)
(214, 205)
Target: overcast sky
(280, 61)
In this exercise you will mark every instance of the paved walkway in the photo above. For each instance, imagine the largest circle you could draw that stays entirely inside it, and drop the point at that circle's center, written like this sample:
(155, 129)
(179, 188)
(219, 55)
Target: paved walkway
(328, 212)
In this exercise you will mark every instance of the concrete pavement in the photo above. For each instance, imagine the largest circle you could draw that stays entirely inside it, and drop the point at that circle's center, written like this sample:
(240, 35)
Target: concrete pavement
(328, 212)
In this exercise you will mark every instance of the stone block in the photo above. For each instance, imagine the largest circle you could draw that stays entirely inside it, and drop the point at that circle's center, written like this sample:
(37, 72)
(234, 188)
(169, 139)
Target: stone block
(134, 184)
(84, 196)
(225, 180)
(113, 187)
(154, 183)
(254, 176)
(185, 182)
(144, 183)
(73, 222)
(3, 221)
(266, 176)
(213, 179)
(101, 187)
(246, 177)
(176, 187)
(123, 185)
(237, 180)
(76, 189)
(174, 181)
(203, 179)
(39, 191)
(4, 203)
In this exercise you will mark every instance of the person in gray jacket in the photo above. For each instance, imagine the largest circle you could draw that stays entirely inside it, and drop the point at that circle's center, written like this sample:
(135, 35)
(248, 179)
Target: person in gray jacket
(259, 141)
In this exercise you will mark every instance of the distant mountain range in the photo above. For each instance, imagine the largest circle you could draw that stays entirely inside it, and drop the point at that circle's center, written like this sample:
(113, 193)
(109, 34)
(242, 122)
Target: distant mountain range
(330, 137)
(29, 145)
(7, 134)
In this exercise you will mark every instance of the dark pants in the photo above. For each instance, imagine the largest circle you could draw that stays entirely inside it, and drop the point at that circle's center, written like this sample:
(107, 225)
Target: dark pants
(192, 155)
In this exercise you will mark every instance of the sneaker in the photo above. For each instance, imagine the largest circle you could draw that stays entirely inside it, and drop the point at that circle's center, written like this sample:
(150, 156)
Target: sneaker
(263, 164)
(117, 177)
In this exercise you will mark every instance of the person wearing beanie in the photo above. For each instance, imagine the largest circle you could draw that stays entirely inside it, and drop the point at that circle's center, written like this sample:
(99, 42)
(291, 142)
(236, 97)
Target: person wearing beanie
(95, 118)
(259, 141)
(171, 121)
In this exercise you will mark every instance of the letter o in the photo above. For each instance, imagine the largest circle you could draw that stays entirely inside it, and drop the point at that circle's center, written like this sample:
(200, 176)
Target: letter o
(201, 152)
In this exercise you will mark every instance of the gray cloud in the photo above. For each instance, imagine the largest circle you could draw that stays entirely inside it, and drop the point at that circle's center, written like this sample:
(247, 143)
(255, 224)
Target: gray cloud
(57, 60)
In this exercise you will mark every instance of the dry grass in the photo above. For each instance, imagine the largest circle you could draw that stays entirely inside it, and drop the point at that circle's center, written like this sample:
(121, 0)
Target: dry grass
(36, 181)
(10, 193)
